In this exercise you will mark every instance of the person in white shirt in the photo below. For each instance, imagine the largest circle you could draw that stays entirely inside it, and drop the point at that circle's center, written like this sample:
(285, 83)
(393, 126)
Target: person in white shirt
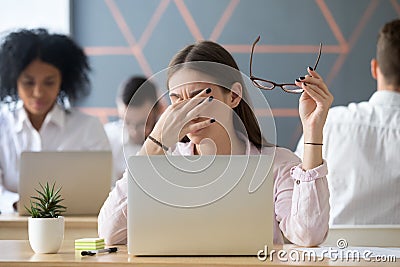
(362, 144)
(40, 75)
(138, 110)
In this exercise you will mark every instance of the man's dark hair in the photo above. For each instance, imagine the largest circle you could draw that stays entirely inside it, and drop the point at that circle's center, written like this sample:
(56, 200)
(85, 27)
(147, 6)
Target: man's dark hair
(140, 89)
(388, 52)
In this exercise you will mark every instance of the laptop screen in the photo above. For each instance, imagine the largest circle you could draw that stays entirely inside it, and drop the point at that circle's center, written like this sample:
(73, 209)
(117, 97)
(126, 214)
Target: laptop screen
(84, 178)
(199, 205)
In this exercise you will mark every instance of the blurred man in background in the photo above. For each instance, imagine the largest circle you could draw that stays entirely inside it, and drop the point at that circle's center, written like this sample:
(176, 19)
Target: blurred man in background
(138, 111)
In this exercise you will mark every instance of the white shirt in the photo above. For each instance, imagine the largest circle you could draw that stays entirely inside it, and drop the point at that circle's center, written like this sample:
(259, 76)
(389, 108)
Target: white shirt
(60, 131)
(362, 148)
(121, 147)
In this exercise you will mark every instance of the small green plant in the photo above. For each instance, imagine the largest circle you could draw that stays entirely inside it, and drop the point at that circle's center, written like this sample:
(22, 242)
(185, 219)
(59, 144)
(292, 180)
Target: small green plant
(47, 203)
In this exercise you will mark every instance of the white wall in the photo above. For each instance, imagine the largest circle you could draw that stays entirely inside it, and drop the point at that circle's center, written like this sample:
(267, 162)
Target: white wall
(51, 14)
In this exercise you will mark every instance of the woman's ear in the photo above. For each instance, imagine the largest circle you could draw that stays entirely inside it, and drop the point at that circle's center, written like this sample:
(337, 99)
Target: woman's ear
(236, 94)
(374, 68)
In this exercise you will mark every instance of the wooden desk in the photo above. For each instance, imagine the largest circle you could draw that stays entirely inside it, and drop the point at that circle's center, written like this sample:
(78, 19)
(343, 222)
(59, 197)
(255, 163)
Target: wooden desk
(15, 253)
(15, 227)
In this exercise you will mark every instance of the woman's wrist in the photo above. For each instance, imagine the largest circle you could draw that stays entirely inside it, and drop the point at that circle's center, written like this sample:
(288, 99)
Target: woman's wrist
(313, 141)
(313, 136)
(151, 148)
(157, 142)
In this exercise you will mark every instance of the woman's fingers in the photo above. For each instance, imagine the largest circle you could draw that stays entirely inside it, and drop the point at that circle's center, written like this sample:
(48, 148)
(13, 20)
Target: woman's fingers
(314, 93)
(201, 106)
(182, 112)
(175, 118)
(195, 126)
(317, 84)
(190, 104)
(315, 78)
(321, 99)
(313, 73)
(304, 85)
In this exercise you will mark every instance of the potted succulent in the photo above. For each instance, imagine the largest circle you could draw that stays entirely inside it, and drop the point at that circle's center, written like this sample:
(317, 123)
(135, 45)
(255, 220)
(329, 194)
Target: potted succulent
(46, 225)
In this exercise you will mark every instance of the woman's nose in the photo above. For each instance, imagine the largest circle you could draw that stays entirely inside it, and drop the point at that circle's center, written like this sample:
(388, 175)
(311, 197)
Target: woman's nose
(38, 91)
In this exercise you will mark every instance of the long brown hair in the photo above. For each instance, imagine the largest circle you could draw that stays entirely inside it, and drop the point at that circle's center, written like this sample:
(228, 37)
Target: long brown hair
(207, 51)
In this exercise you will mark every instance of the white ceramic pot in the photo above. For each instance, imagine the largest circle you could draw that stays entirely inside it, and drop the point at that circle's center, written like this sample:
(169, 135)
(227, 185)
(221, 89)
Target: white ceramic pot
(46, 234)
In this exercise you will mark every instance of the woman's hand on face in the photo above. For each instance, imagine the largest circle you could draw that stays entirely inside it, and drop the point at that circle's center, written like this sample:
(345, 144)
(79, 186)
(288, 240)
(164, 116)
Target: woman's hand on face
(314, 104)
(179, 119)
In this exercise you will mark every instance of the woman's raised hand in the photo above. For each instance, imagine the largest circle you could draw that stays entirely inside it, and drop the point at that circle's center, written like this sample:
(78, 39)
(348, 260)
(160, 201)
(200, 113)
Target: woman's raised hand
(314, 105)
(179, 118)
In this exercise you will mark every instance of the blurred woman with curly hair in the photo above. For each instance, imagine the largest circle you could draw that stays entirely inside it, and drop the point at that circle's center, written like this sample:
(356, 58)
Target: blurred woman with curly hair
(41, 76)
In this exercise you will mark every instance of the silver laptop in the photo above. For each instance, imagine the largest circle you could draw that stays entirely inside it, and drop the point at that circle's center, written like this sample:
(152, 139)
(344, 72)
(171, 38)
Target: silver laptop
(85, 178)
(200, 205)
(364, 235)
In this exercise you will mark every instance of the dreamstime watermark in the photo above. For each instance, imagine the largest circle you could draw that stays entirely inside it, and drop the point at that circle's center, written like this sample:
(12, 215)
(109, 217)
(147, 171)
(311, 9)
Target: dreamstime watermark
(340, 253)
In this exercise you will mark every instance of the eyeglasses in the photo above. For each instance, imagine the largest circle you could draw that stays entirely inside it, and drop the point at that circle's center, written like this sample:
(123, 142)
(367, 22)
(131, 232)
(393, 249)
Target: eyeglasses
(269, 85)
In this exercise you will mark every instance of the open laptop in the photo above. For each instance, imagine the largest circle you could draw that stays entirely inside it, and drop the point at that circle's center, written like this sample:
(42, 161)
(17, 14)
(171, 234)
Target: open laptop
(200, 205)
(85, 178)
(364, 235)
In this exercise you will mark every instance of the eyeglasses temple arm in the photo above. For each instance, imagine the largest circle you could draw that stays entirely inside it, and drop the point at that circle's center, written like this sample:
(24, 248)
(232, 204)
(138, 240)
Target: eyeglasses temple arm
(251, 55)
(319, 55)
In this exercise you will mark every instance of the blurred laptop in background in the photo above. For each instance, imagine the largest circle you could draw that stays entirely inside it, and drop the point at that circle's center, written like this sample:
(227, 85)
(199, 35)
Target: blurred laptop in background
(84, 176)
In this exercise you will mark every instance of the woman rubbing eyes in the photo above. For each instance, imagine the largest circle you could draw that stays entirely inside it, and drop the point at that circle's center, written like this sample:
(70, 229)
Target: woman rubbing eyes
(206, 106)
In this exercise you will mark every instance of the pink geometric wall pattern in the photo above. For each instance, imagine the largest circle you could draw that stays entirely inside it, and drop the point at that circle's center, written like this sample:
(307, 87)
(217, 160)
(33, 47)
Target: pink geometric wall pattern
(135, 45)
(396, 6)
